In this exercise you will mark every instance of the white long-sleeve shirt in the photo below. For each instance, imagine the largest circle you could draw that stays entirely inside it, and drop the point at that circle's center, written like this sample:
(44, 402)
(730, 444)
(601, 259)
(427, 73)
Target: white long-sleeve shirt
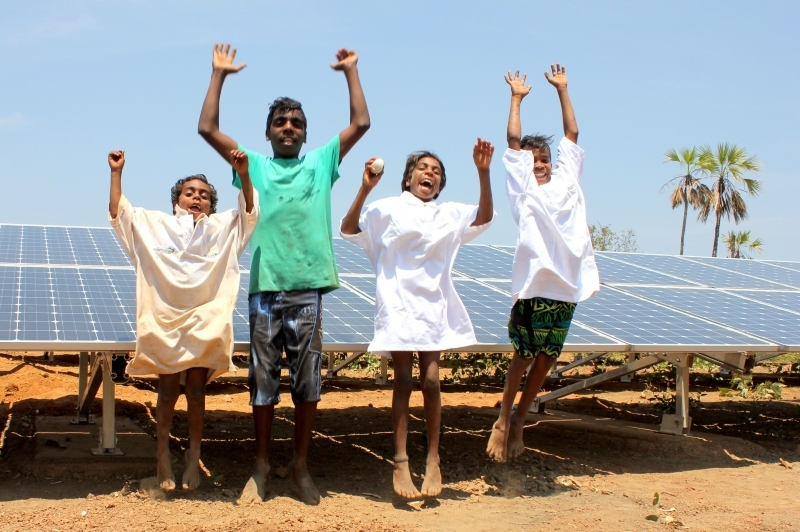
(412, 245)
(187, 282)
(554, 257)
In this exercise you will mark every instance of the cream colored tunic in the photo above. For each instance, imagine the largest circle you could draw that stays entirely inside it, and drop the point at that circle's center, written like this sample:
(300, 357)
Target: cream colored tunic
(187, 282)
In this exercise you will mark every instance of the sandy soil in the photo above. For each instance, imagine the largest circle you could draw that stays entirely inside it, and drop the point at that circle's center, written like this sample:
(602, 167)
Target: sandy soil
(592, 464)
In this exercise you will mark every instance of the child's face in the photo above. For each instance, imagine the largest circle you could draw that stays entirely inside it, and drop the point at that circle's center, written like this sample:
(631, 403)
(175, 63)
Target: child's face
(195, 198)
(541, 165)
(426, 179)
(287, 134)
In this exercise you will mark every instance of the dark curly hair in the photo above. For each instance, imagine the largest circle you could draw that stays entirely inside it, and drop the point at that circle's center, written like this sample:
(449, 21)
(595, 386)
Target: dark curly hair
(411, 163)
(537, 141)
(178, 188)
(282, 105)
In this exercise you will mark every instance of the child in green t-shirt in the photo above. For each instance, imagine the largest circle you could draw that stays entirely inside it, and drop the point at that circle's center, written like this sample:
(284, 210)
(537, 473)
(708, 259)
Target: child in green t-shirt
(293, 259)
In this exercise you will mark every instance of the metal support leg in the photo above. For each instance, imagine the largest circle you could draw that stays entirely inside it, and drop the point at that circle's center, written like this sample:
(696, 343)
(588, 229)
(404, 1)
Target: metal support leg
(108, 432)
(330, 374)
(629, 376)
(382, 378)
(680, 422)
(83, 372)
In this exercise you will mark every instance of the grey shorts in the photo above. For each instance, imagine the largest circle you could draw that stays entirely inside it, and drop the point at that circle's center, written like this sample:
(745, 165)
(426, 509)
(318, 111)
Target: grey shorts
(288, 322)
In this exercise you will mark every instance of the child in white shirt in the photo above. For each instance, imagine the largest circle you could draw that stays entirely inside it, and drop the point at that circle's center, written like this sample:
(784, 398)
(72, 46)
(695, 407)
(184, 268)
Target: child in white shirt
(187, 282)
(554, 265)
(412, 241)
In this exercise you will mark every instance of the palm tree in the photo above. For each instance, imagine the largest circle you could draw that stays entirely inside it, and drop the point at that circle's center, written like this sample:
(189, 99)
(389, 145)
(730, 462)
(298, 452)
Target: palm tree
(736, 241)
(689, 190)
(727, 165)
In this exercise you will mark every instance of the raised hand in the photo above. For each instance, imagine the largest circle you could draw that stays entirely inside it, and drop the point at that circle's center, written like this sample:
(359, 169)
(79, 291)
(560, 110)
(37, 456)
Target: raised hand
(482, 153)
(559, 77)
(518, 87)
(116, 160)
(223, 57)
(345, 59)
(240, 162)
(369, 180)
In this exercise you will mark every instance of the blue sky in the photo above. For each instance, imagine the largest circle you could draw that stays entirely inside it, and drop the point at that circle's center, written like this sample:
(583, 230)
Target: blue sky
(83, 78)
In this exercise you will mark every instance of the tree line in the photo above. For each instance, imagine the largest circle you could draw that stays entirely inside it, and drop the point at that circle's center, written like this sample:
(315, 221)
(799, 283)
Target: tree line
(724, 168)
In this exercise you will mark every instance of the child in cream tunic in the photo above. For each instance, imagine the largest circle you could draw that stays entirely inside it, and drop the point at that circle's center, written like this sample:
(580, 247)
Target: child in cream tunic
(187, 282)
(412, 241)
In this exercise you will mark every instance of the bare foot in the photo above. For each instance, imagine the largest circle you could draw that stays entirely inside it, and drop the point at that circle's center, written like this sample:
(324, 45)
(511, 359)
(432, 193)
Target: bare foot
(191, 475)
(166, 480)
(255, 489)
(432, 486)
(303, 484)
(515, 445)
(401, 480)
(498, 441)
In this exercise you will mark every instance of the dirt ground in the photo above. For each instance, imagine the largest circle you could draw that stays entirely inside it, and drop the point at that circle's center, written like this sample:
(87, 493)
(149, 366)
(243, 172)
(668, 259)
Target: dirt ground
(594, 462)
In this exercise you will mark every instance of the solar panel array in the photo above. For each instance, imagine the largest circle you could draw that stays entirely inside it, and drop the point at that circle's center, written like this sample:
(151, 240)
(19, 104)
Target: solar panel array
(76, 286)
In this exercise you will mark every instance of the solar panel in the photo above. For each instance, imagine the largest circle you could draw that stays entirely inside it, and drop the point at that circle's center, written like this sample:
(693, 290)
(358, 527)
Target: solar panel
(646, 325)
(787, 300)
(483, 262)
(347, 318)
(616, 272)
(83, 289)
(762, 270)
(776, 325)
(9, 282)
(693, 271)
(784, 264)
(9, 243)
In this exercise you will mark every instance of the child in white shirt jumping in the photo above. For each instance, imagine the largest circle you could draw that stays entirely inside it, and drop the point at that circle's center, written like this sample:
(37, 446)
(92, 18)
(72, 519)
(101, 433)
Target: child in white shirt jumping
(554, 267)
(187, 282)
(412, 241)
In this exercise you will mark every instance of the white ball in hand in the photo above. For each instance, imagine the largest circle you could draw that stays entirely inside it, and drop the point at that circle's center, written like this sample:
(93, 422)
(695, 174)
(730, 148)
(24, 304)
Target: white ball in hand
(377, 166)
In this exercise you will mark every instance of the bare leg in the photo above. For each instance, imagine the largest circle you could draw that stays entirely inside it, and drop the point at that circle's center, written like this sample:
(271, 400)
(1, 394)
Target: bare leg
(196, 406)
(169, 389)
(541, 368)
(304, 414)
(255, 489)
(498, 441)
(429, 381)
(401, 394)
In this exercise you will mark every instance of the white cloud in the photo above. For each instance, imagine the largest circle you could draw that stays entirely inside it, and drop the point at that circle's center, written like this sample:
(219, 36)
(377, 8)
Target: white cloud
(14, 119)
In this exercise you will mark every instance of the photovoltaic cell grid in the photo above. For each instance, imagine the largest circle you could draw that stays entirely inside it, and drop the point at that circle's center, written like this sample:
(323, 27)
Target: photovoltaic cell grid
(787, 300)
(693, 271)
(642, 323)
(622, 273)
(786, 277)
(756, 318)
(85, 304)
(67, 304)
(83, 246)
(784, 264)
(483, 262)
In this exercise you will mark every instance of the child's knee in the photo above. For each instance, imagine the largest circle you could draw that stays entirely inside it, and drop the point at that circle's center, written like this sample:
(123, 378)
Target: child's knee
(169, 394)
(403, 383)
(430, 384)
(195, 393)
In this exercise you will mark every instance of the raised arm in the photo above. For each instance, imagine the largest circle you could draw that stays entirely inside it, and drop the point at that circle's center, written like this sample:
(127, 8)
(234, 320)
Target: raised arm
(241, 164)
(116, 160)
(347, 62)
(559, 81)
(208, 127)
(518, 92)
(368, 182)
(482, 155)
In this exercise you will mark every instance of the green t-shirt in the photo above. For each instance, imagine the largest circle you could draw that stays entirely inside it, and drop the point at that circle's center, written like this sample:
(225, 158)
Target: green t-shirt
(291, 247)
